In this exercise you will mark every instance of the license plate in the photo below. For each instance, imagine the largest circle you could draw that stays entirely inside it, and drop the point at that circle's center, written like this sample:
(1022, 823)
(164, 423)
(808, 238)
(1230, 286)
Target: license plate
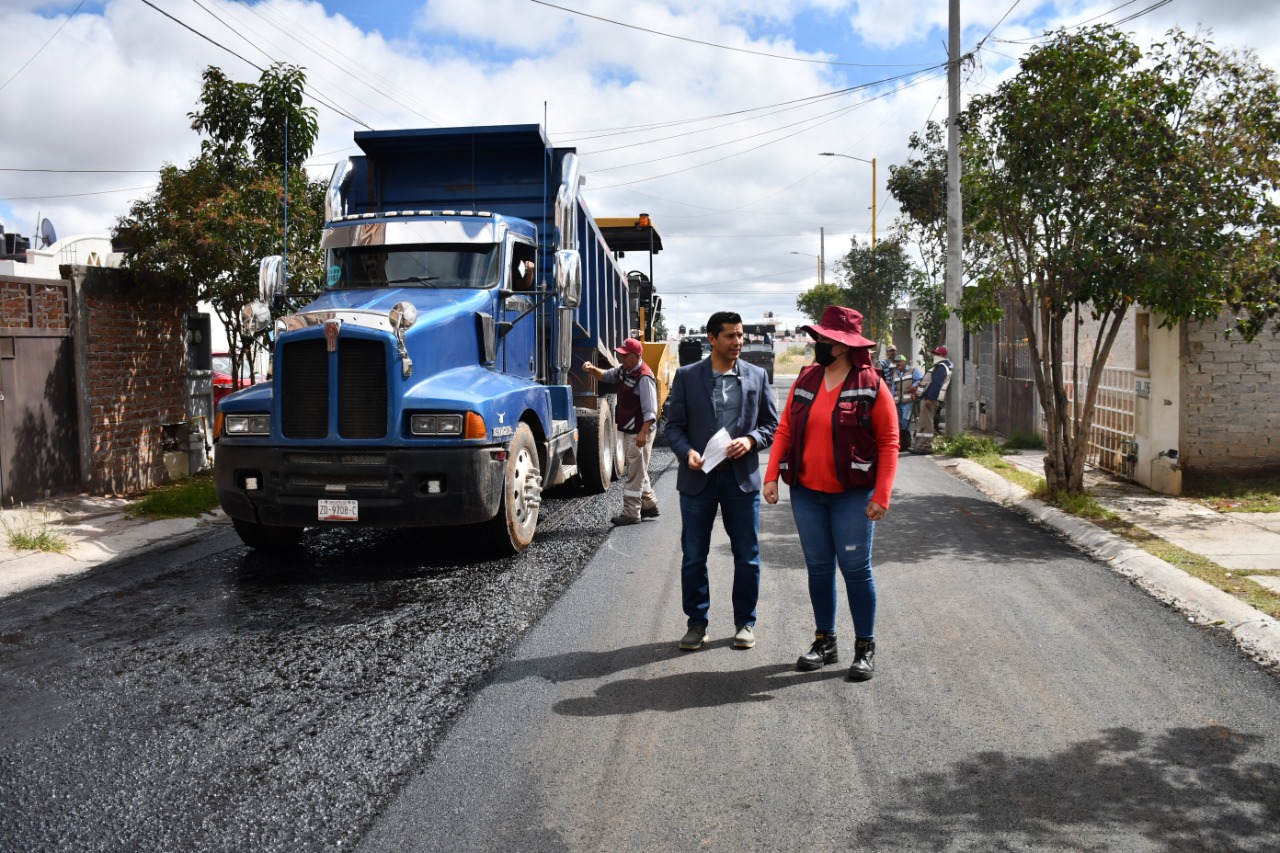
(339, 510)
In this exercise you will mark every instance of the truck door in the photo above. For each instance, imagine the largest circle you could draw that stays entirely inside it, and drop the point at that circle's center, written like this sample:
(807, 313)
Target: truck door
(518, 354)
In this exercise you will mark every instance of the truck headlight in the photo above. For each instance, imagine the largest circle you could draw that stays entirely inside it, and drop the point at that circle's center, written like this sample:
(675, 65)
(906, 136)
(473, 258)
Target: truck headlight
(435, 424)
(247, 424)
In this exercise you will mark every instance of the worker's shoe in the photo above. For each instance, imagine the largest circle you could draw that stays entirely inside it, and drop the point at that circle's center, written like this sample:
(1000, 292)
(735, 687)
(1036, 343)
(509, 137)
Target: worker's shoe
(864, 655)
(693, 638)
(651, 512)
(822, 652)
(621, 520)
(745, 638)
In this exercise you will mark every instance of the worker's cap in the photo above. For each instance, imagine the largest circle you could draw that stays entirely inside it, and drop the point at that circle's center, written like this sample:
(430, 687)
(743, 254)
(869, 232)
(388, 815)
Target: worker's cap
(899, 358)
(940, 350)
(631, 346)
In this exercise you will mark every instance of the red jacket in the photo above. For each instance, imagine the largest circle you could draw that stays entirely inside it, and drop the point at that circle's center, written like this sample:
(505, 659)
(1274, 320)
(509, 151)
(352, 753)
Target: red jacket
(815, 437)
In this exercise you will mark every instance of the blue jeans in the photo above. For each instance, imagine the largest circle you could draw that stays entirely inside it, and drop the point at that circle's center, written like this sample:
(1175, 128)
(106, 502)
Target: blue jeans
(834, 530)
(740, 513)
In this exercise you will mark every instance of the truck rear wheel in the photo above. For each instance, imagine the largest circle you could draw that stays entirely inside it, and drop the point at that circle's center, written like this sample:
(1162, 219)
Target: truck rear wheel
(597, 447)
(517, 519)
(260, 537)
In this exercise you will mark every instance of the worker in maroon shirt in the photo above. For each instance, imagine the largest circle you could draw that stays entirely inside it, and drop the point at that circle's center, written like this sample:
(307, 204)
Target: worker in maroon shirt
(837, 448)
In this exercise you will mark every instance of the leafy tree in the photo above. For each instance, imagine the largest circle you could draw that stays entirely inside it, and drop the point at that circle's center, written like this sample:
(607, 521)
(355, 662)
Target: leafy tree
(814, 301)
(206, 227)
(875, 280)
(1099, 178)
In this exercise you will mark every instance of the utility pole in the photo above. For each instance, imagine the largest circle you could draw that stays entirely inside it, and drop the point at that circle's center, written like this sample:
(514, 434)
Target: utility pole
(955, 231)
(822, 255)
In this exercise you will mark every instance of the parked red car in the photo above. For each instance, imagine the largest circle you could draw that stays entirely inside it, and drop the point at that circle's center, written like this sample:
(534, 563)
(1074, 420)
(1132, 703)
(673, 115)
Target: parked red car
(222, 385)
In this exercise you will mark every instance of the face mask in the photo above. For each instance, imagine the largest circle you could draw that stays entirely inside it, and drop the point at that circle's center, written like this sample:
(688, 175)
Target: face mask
(823, 355)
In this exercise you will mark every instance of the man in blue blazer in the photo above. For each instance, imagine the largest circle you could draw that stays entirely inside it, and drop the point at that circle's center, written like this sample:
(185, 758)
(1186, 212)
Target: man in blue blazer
(720, 391)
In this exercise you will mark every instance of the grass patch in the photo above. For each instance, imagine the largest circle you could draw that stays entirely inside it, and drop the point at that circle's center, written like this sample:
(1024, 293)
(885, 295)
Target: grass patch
(1024, 441)
(966, 445)
(1260, 494)
(790, 361)
(1256, 596)
(1082, 506)
(35, 538)
(187, 498)
(1252, 493)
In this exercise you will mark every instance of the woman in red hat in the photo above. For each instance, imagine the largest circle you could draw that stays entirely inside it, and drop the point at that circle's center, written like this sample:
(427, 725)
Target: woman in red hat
(836, 446)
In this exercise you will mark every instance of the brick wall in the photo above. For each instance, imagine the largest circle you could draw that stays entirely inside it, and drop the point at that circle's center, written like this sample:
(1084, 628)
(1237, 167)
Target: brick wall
(1231, 400)
(132, 370)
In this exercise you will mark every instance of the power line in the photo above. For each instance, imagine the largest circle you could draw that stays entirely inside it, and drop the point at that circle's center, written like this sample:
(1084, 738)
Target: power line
(85, 171)
(43, 46)
(312, 94)
(819, 120)
(720, 46)
(75, 195)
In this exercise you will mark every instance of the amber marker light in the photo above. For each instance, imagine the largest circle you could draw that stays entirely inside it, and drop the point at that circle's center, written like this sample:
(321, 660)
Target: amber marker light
(475, 426)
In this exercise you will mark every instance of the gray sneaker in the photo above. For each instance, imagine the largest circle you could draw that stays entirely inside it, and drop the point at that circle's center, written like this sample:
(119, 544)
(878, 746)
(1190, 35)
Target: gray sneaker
(693, 638)
(745, 638)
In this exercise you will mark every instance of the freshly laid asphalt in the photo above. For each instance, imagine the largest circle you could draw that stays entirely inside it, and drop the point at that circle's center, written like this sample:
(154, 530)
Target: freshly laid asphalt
(98, 531)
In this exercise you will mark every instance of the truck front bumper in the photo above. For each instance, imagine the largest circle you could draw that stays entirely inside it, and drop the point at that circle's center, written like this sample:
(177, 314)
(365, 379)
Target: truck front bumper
(393, 487)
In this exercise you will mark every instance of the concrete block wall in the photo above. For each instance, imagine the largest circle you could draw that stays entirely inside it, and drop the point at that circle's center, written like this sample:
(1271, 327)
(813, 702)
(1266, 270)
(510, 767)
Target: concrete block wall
(1231, 400)
(131, 365)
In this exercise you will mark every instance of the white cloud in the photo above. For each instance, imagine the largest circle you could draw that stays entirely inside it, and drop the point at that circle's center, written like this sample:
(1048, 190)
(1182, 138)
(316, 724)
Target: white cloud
(112, 91)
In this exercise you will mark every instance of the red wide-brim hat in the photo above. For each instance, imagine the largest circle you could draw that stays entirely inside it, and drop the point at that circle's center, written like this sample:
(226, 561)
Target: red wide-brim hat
(840, 324)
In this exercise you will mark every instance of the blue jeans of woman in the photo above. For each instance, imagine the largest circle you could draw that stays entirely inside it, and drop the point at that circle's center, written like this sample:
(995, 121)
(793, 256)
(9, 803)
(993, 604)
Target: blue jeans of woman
(835, 531)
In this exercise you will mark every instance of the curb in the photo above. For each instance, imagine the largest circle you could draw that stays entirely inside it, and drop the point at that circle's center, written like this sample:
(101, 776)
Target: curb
(1256, 633)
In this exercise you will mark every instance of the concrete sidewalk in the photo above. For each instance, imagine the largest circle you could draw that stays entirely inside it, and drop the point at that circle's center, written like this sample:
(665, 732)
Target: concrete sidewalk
(96, 530)
(1241, 542)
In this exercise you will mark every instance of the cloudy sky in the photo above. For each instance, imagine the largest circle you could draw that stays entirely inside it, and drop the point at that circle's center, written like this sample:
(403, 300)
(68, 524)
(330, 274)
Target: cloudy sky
(707, 114)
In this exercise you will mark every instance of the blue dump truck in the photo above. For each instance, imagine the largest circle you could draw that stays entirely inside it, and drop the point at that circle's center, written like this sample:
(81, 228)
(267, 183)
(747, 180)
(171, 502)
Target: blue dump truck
(437, 378)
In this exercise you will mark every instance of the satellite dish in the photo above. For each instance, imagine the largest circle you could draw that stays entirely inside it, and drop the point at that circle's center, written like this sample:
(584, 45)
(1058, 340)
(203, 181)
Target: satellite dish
(47, 235)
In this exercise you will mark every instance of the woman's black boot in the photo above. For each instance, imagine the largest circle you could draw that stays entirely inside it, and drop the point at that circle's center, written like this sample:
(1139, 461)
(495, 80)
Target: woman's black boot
(822, 652)
(864, 657)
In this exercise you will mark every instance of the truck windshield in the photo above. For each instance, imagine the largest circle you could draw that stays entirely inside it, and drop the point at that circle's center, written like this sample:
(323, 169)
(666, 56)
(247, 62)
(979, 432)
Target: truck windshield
(454, 265)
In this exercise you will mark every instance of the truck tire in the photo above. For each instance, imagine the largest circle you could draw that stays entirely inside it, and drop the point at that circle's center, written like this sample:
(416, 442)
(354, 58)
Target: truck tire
(513, 527)
(620, 454)
(597, 446)
(263, 538)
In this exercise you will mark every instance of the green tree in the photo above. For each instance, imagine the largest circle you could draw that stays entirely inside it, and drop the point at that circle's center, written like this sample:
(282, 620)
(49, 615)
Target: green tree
(206, 227)
(1099, 178)
(812, 302)
(875, 281)
(920, 187)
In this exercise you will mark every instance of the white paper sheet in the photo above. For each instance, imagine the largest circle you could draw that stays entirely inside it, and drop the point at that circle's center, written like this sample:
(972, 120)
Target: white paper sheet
(716, 449)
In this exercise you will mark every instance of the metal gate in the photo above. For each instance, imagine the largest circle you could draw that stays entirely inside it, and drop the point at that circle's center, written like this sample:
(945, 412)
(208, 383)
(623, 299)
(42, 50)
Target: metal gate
(39, 435)
(1015, 383)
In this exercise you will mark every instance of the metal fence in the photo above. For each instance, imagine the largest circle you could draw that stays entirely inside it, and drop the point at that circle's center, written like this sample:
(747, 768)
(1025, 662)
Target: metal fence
(1111, 437)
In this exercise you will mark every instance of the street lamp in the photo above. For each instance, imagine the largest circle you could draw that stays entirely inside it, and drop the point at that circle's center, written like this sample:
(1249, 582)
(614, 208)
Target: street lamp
(822, 272)
(872, 161)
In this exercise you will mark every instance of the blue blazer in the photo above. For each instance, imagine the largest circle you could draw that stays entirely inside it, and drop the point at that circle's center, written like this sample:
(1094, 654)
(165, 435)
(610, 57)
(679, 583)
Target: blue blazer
(691, 421)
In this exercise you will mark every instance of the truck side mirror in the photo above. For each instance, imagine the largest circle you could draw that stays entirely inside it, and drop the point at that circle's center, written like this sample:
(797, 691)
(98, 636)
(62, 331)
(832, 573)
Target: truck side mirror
(568, 273)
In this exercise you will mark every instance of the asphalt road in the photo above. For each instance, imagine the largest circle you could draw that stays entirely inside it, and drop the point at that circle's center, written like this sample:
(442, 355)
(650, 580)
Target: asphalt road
(213, 699)
(386, 691)
(1026, 698)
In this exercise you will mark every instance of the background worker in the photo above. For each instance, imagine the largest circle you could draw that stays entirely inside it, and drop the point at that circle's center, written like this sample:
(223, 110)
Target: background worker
(636, 417)
(904, 381)
(934, 395)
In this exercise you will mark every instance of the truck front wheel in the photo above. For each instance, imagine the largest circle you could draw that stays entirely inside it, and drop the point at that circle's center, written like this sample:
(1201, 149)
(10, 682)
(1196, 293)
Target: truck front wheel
(517, 517)
(263, 538)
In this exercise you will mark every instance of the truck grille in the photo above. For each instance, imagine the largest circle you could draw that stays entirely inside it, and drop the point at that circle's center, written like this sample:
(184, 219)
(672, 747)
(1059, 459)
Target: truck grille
(362, 389)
